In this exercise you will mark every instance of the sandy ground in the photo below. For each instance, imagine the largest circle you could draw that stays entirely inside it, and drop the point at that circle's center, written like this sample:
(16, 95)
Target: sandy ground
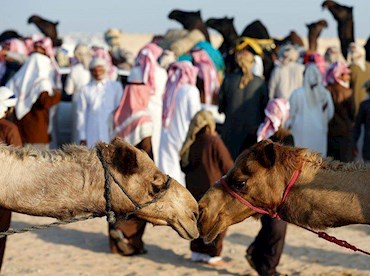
(82, 249)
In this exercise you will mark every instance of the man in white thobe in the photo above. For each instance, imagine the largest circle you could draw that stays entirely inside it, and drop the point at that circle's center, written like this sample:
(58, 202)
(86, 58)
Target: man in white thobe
(96, 104)
(183, 102)
(287, 74)
(311, 109)
(77, 78)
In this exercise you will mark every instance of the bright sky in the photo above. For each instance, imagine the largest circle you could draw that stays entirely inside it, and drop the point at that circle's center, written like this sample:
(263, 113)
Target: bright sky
(150, 16)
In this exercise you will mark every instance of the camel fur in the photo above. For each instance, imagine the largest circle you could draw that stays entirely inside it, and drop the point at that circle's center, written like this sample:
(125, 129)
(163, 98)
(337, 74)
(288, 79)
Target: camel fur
(326, 194)
(70, 182)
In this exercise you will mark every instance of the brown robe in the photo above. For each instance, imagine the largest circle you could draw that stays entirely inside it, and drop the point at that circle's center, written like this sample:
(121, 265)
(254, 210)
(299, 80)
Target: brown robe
(358, 78)
(9, 135)
(340, 126)
(209, 160)
(33, 127)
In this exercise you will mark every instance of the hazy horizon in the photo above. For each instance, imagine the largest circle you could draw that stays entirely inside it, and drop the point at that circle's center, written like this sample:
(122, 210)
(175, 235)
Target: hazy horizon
(150, 16)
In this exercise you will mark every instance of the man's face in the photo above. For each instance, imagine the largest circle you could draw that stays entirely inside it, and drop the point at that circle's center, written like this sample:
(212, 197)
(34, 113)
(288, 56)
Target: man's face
(98, 72)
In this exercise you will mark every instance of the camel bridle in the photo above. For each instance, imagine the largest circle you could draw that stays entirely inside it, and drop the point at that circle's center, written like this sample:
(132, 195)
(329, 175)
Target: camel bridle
(111, 216)
(273, 214)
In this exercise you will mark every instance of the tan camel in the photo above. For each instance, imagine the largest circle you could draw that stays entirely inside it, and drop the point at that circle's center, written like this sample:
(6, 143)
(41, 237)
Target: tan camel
(70, 182)
(326, 193)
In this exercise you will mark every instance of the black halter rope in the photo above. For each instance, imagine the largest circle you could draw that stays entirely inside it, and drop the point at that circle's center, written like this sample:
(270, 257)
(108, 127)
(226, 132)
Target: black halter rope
(111, 216)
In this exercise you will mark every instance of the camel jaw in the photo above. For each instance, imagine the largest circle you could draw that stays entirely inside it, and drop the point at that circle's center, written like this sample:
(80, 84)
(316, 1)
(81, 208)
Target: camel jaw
(189, 232)
(212, 233)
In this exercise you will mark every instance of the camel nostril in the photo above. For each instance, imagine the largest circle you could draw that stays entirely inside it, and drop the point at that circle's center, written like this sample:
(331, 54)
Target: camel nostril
(196, 215)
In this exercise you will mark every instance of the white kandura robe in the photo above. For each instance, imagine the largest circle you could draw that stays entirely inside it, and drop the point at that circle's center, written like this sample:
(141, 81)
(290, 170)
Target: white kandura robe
(285, 79)
(309, 125)
(155, 108)
(77, 78)
(187, 104)
(96, 104)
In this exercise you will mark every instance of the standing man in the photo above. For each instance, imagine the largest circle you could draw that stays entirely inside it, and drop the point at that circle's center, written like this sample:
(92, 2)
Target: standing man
(37, 86)
(181, 102)
(96, 104)
(77, 78)
(243, 98)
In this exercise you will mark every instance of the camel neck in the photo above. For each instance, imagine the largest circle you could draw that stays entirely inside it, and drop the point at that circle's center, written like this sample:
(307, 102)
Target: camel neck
(328, 198)
(61, 189)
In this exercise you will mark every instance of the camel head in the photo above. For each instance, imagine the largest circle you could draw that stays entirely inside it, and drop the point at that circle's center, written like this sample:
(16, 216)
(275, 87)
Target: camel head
(254, 177)
(321, 24)
(143, 181)
(37, 19)
(339, 12)
(222, 25)
(33, 19)
(187, 19)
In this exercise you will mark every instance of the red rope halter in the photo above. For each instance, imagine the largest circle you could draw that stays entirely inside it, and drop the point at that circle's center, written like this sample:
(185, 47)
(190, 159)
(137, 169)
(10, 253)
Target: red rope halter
(274, 214)
(258, 209)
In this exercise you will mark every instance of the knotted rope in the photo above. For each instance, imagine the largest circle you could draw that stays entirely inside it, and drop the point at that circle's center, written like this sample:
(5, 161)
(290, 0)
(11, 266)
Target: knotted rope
(45, 226)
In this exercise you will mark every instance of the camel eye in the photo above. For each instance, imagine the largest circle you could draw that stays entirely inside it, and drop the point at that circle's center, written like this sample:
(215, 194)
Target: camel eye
(155, 188)
(238, 185)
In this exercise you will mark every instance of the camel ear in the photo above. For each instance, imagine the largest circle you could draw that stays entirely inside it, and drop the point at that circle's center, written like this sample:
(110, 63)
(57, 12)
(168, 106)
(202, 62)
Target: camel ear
(120, 156)
(266, 156)
(198, 13)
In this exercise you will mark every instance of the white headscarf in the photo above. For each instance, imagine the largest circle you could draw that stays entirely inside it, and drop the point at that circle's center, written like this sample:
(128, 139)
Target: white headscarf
(96, 61)
(7, 99)
(357, 55)
(288, 54)
(313, 86)
(35, 76)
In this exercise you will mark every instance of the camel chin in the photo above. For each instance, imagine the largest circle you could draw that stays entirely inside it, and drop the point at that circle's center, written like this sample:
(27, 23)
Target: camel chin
(210, 235)
(187, 230)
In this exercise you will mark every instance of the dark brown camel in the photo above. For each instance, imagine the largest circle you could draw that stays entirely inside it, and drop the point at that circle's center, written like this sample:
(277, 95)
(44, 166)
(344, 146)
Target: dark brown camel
(48, 28)
(190, 21)
(325, 194)
(8, 34)
(343, 16)
(225, 26)
(314, 31)
(367, 49)
(292, 38)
